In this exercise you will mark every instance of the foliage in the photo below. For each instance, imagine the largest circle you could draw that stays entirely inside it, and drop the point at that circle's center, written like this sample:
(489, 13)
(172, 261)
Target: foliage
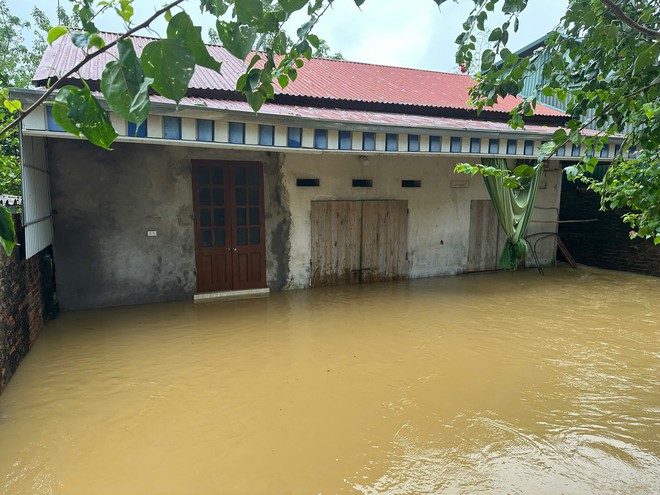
(603, 64)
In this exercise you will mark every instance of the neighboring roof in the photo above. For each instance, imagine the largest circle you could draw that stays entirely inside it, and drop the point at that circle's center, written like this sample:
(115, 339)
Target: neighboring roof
(322, 80)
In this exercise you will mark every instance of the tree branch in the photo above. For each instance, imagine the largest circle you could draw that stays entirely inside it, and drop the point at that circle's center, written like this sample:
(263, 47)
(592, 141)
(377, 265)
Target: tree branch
(617, 11)
(87, 58)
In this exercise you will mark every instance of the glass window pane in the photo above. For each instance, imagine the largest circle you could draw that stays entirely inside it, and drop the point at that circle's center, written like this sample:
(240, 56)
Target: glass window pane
(529, 147)
(255, 235)
(561, 151)
(205, 130)
(345, 140)
(391, 142)
(172, 127)
(241, 234)
(493, 146)
(218, 196)
(135, 131)
(475, 145)
(253, 176)
(205, 217)
(511, 145)
(575, 151)
(236, 132)
(455, 146)
(434, 143)
(219, 237)
(241, 216)
(240, 176)
(294, 137)
(205, 196)
(240, 196)
(266, 135)
(253, 196)
(218, 178)
(320, 139)
(368, 141)
(203, 175)
(413, 142)
(219, 217)
(207, 239)
(254, 216)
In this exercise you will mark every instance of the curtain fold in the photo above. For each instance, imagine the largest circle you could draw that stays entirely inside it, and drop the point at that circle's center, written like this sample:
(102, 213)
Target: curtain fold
(514, 208)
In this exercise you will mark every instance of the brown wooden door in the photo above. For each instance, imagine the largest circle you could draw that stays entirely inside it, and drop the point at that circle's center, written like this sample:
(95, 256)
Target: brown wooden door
(358, 241)
(229, 225)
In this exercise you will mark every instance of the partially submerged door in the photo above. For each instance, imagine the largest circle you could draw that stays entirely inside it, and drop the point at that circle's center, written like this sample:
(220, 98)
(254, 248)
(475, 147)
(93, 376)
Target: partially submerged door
(229, 225)
(358, 241)
(484, 236)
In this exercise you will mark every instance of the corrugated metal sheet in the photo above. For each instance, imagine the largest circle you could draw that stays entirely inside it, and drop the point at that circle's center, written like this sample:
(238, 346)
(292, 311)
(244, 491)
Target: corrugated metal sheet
(360, 117)
(37, 218)
(319, 78)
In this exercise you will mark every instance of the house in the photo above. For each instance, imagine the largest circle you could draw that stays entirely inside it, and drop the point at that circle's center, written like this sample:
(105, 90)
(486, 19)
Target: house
(346, 177)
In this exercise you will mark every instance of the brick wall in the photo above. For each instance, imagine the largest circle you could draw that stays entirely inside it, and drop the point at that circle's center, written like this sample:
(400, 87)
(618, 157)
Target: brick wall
(27, 300)
(604, 243)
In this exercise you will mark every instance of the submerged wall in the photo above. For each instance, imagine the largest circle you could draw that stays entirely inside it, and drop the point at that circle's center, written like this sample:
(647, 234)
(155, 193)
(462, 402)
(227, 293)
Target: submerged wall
(602, 240)
(104, 202)
(27, 299)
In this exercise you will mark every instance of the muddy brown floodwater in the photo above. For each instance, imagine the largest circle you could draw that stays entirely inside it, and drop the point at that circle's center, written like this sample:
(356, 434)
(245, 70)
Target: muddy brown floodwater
(481, 384)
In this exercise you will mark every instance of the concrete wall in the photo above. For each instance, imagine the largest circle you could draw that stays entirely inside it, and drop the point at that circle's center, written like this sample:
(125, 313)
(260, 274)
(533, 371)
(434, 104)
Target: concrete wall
(104, 202)
(439, 211)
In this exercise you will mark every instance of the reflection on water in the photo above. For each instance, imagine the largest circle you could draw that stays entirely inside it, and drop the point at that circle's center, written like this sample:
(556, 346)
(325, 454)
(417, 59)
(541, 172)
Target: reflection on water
(494, 383)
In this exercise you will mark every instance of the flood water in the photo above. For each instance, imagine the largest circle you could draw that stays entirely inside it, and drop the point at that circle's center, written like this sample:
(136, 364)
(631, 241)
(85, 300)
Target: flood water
(490, 383)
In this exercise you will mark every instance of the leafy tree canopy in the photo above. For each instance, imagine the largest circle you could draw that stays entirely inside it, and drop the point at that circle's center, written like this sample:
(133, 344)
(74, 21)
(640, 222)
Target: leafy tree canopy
(604, 64)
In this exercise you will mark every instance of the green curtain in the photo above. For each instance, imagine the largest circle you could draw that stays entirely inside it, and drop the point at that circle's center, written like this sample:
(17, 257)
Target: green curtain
(514, 208)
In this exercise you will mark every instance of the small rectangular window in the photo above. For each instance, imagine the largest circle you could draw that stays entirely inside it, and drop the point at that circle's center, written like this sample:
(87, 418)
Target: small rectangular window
(363, 183)
(435, 143)
(52, 124)
(345, 140)
(320, 139)
(411, 183)
(575, 150)
(529, 147)
(368, 141)
(493, 146)
(135, 131)
(205, 130)
(172, 127)
(294, 137)
(475, 145)
(266, 135)
(413, 142)
(605, 152)
(237, 133)
(456, 144)
(617, 149)
(391, 142)
(561, 151)
(511, 145)
(308, 182)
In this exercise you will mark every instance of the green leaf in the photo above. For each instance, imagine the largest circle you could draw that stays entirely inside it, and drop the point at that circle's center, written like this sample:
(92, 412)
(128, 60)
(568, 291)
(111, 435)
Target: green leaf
(545, 150)
(81, 40)
(181, 27)
(13, 105)
(523, 171)
(646, 58)
(255, 99)
(122, 84)
(79, 113)
(214, 7)
(248, 11)
(7, 231)
(55, 33)
(170, 63)
(559, 136)
(125, 10)
(360, 2)
(237, 39)
(291, 6)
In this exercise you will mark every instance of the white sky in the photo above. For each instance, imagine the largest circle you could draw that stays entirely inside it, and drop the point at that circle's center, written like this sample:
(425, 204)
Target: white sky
(405, 33)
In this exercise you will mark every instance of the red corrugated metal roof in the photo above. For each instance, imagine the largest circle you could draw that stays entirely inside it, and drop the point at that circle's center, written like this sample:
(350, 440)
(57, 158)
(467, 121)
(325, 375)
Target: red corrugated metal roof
(319, 78)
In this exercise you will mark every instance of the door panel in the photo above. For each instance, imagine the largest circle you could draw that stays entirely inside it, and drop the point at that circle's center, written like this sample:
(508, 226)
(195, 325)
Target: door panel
(229, 225)
(358, 241)
(484, 233)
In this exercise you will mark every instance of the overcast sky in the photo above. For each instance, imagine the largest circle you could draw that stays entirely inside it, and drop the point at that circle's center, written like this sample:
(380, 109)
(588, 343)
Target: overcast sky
(405, 33)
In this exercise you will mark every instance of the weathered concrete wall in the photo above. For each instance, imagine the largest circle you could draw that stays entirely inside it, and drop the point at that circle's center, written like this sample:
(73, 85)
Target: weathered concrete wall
(104, 202)
(439, 211)
(27, 299)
